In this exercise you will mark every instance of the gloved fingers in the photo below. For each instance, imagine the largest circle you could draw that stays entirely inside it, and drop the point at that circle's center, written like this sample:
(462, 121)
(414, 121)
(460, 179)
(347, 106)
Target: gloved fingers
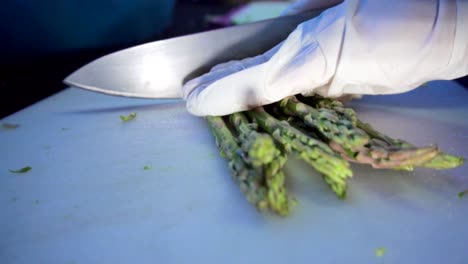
(194, 90)
(308, 59)
(223, 70)
(293, 69)
(304, 61)
(233, 93)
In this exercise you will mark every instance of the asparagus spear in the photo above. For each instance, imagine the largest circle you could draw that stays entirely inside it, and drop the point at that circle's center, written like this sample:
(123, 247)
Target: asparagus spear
(382, 137)
(336, 128)
(250, 182)
(381, 158)
(259, 147)
(384, 151)
(443, 161)
(334, 169)
(319, 102)
(339, 126)
(440, 160)
(267, 158)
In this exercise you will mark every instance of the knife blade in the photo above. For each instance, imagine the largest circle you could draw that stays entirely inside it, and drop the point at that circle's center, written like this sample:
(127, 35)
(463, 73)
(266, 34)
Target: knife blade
(159, 69)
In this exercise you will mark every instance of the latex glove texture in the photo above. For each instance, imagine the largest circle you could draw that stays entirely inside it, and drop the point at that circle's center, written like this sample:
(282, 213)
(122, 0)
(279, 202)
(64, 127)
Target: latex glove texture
(357, 47)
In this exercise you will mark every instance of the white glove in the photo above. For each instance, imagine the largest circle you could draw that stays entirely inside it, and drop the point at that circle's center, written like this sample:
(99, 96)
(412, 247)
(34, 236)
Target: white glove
(357, 47)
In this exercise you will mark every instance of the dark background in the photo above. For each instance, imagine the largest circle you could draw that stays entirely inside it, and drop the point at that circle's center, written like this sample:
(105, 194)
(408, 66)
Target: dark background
(27, 79)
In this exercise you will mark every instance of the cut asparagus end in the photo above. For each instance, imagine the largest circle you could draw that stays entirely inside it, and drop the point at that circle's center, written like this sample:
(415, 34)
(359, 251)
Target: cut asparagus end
(444, 161)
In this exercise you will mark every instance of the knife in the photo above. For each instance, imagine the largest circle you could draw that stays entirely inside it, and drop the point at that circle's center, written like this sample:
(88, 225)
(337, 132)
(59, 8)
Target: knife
(159, 69)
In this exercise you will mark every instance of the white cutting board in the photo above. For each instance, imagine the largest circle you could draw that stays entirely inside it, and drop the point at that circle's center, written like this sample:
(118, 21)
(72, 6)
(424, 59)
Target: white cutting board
(89, 200)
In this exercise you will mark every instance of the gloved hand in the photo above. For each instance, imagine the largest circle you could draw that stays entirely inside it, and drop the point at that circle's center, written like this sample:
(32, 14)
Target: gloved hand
(356, 47)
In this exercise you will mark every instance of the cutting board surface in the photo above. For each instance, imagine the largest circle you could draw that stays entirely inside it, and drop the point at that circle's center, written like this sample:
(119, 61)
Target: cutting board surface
(89, 198)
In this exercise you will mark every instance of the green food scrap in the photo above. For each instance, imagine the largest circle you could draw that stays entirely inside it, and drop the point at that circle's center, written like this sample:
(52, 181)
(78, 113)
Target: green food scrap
(147, 167)
(379, 252)
(9, 126)
(129, 117)
(22, 170)
(462, 193)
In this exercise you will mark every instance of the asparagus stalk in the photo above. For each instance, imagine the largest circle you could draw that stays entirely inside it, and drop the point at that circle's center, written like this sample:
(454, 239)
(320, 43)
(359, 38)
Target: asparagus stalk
(336, 128)
(316, 153)
(259, 147)
(382, 137)
(250, 182)
(319, 102)
(381, 158)
(443, 161)
(440, 160)
(267, 158)
(339, 126)
(382, 149)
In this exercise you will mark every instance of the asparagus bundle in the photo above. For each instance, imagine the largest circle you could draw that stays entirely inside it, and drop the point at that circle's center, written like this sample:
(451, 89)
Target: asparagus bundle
(256, 162)
(249, 181)
(268, 159)
(323, 133)
(322, 158)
